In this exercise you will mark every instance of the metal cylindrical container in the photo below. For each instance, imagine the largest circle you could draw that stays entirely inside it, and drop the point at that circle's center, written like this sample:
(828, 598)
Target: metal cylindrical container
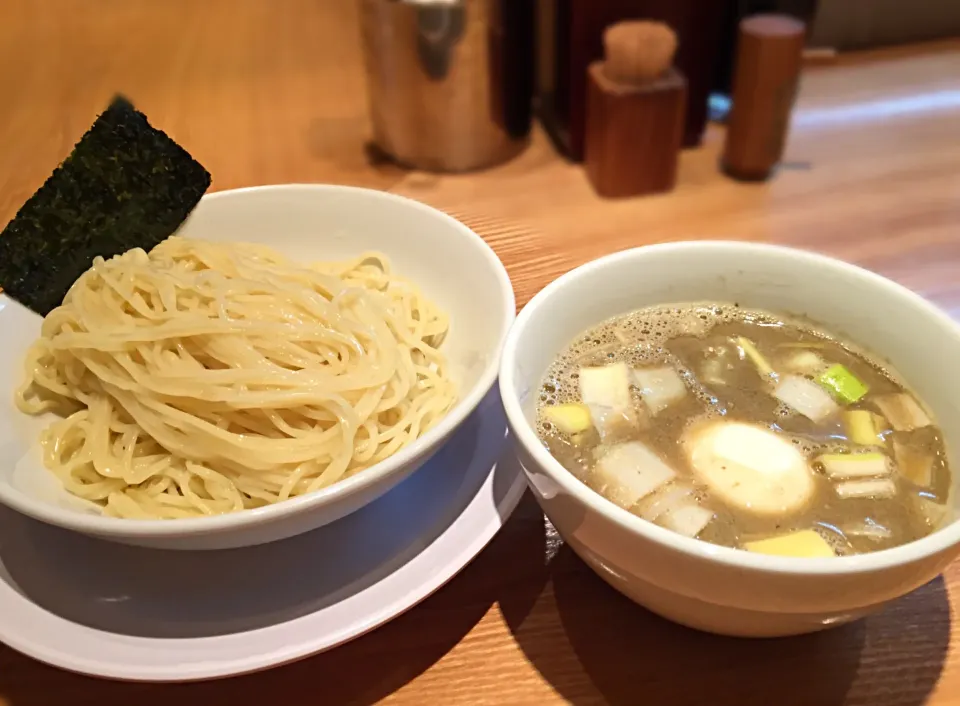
(450, 82)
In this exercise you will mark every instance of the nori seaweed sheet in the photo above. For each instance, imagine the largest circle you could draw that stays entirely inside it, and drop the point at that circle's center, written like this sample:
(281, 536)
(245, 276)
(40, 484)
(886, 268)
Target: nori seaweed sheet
(125, 185)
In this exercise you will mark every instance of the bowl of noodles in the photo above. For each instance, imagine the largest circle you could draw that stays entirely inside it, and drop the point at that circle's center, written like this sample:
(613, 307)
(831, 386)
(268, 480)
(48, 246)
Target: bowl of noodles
(285, 358)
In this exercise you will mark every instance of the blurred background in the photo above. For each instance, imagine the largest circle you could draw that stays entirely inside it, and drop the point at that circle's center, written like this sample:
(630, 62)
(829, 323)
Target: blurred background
(278, 91)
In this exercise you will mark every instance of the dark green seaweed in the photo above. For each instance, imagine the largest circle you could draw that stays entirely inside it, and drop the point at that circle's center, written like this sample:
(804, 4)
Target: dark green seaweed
(125, 185)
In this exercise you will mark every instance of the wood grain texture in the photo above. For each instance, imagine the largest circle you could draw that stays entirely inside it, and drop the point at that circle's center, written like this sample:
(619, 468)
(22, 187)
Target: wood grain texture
(633, 133)
(265, 92)
(766, 75)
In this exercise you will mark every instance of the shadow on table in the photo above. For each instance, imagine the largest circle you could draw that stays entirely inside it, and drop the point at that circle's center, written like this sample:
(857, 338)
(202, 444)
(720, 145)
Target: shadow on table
(360, 673)
(596, 647)
(339, 151)
(153, 593)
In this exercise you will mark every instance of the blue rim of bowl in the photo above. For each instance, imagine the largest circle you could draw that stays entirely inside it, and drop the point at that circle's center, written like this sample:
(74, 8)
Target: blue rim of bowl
(105, 526)
(914, 551)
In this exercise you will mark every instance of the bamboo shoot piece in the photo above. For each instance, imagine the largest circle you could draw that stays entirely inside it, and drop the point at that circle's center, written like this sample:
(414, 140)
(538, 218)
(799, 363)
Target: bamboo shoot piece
(903, 412)
(914, 464)
(863, 427)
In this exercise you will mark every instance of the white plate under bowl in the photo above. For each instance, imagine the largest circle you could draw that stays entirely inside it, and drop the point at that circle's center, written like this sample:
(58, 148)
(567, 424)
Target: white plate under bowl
(135, 613)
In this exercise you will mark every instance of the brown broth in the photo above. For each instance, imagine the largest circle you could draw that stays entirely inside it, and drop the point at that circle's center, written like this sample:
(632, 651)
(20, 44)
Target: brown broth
(687, 338)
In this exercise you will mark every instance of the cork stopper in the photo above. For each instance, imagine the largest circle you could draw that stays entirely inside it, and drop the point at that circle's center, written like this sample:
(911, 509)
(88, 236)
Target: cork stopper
(638, 51)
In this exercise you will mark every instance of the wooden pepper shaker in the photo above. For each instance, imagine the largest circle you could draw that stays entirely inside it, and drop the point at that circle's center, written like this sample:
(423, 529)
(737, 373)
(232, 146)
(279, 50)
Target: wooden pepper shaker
(769, 58)
(636, 102)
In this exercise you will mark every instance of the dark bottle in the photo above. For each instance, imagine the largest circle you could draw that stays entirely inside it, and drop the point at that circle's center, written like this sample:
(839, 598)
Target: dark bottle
(804, 10)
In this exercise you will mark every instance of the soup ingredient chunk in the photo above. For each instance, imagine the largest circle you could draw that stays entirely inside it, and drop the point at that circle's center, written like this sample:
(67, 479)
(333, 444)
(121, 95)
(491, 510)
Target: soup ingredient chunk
(804, 362)
(806, 397)
(736, 426)
(804, 544)
(844, 385)
(571, 418)
(750, 467)
(688, 520)
(659, 387)
(844, 466)
(904, 413)
(630, 471)
(606, 392)
(916, 465)
(873, 488)
(675, 507)
(863, 427)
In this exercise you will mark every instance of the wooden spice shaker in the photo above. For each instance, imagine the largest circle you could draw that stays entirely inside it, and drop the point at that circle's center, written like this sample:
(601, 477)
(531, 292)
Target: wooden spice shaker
(769, 59)
(635, 111)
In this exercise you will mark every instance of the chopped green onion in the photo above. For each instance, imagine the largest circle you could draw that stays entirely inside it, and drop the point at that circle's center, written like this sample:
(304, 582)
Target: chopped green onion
(870, 488)
(861, 427)
(845, 466)
(755, 356)
(844, 385)
(805, 396)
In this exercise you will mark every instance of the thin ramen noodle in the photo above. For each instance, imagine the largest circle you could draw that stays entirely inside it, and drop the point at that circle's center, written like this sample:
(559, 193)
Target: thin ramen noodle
(205, 378)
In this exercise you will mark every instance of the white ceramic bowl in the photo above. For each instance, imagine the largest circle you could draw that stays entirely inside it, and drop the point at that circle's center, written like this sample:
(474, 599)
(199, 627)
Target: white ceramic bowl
(704, 586)
(452, 265)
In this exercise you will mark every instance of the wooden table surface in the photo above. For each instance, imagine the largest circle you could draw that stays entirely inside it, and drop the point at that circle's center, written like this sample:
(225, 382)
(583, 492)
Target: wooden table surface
(265, 92)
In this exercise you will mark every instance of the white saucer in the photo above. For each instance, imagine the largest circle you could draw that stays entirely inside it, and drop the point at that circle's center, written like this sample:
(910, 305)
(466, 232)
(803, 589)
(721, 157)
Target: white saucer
(143, 614)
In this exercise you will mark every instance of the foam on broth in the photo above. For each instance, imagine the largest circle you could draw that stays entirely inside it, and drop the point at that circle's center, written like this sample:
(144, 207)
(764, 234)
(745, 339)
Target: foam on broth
(689, 339)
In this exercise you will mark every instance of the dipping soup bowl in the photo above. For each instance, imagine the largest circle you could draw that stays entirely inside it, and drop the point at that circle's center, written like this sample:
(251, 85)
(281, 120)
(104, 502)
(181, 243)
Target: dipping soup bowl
(713, 588)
